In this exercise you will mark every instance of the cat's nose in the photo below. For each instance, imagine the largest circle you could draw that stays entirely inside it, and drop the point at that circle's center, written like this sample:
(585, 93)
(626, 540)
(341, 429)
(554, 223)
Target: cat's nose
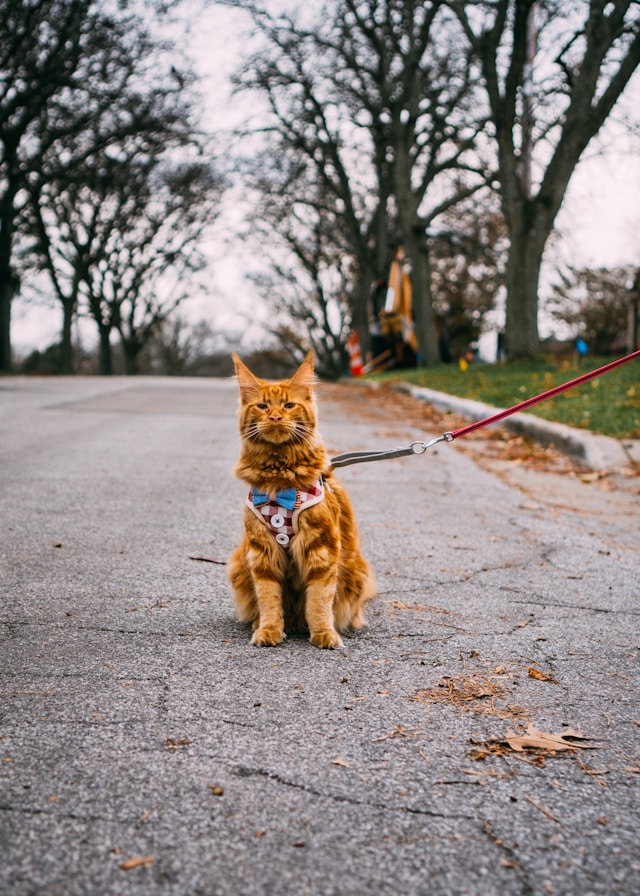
(275, 416)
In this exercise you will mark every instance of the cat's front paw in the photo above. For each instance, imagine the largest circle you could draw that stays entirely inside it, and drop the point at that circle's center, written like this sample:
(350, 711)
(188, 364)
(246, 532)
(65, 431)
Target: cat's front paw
(326, 639)
(267, 636)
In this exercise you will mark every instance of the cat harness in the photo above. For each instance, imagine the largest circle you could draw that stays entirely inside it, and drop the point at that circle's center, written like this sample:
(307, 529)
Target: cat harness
(279, 511)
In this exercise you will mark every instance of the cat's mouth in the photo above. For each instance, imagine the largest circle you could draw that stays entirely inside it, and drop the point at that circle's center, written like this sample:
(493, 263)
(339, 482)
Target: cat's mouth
(277, 433)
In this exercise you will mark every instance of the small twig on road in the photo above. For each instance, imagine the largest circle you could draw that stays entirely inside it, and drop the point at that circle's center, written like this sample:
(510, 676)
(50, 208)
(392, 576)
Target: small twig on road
(207, 559)
(541, 808)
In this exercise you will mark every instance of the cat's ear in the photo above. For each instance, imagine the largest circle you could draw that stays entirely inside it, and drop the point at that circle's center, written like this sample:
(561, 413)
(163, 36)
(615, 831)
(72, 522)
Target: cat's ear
(250, 385)
(303, 379)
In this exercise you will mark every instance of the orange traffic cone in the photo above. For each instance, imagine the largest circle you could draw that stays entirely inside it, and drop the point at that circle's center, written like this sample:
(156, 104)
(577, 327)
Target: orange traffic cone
(355, 354)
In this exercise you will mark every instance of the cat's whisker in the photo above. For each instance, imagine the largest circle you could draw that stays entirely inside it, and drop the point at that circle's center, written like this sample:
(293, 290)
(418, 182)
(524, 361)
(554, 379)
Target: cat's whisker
(250, 433)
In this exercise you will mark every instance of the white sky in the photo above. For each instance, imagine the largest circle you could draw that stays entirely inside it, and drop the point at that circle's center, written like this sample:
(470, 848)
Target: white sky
(598, 224)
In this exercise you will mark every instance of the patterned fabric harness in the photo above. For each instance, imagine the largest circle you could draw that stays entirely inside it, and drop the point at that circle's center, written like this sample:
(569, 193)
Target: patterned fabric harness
(279, 511)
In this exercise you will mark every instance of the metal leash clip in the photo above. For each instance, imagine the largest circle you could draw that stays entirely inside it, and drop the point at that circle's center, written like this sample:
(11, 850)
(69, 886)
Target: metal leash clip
(362, 457)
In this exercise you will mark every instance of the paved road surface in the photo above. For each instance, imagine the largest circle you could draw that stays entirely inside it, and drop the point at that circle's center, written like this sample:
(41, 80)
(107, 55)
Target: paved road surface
(137, 721)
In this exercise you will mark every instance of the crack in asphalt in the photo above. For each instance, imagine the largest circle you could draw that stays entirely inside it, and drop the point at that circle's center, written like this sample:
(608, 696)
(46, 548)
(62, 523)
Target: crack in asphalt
(541, 602)
(242, 771)
(527, 887)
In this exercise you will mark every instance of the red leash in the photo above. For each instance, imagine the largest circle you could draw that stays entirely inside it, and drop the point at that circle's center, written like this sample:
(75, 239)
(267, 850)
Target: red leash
(359, 457)
(542, 397)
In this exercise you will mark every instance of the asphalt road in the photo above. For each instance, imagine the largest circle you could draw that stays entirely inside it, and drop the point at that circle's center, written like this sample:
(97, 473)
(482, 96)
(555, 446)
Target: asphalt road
(147, 748)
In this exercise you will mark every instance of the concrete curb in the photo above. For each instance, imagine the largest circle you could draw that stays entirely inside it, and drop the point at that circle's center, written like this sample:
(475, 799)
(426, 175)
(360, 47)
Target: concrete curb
(594, 451)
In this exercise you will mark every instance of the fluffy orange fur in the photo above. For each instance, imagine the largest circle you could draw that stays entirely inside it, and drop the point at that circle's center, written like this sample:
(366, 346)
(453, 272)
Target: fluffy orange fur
(320, 581)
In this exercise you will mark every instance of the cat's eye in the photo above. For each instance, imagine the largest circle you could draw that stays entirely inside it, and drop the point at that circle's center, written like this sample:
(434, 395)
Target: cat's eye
(262, 406)
(288, 405)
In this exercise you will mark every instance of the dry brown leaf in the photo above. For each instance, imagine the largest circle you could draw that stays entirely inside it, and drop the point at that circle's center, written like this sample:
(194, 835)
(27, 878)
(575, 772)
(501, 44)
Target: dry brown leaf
(137, 862)
(533, 739)
(173, 743)
(216, 790)
(340, 762)
(540, 676)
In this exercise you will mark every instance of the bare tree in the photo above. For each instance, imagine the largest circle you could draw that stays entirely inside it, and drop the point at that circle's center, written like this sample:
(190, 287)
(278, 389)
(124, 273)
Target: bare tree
(552, 72)
(404, 73)
(127, 242)
(96, 180)
(310, 273)
(365, 98)
(44, 45)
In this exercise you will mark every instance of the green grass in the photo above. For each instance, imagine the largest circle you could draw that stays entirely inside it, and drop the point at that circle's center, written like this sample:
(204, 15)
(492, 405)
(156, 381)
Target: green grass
(609, 405)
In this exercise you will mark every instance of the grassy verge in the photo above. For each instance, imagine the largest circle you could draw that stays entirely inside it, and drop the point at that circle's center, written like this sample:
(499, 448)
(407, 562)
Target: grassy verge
(609, 405)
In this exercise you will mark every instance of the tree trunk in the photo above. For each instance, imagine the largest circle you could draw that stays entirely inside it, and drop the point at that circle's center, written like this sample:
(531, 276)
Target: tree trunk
(522, 278)
(7, 290)
(422, 300)
(131, 349)
(66, 339)
(106, 357)
(412, 236)
(6, 295)
(360, 310)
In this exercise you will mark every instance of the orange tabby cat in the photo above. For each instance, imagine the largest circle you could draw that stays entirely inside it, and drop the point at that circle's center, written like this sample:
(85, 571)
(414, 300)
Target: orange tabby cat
(299, 565)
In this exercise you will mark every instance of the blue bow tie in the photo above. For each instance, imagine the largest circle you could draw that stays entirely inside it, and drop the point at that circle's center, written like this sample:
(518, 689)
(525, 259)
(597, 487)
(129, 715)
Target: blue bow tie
(285, 498)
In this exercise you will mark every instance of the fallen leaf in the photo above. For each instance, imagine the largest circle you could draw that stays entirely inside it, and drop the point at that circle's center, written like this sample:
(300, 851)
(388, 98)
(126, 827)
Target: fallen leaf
(216, 790)
(478, 755)
(533, 739)
(137, 862)
(172, 743)
(590, 477)
(340, 762)
(540, 676)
